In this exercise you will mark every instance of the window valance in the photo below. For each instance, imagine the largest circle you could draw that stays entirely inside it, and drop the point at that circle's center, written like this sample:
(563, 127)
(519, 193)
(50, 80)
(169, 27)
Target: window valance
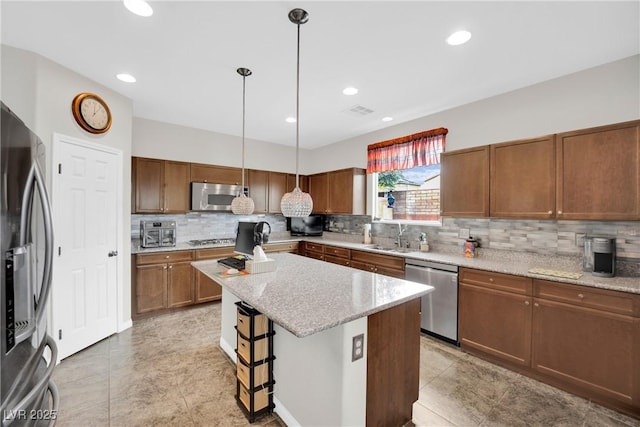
(418, 149)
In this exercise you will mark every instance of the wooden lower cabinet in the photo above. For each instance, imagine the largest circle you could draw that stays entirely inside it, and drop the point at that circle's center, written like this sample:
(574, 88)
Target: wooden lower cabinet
(596, 350)
(206, 288)
(162, 280)
(582, 339)
(387, 265)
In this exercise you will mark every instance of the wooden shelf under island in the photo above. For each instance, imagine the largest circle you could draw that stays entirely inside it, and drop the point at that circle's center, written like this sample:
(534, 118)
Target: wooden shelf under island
(318, 309)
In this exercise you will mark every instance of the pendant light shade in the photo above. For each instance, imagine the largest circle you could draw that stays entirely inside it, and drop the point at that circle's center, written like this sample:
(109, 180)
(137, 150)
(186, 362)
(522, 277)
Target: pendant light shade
(297, 203)
(243, 205)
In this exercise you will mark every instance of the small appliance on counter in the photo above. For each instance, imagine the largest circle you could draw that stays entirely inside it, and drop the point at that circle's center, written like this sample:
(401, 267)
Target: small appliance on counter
(311, 225)
(604, 256)
(155, 234)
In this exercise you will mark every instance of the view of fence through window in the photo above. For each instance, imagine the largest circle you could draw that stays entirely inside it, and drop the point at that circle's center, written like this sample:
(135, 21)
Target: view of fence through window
(409, 194)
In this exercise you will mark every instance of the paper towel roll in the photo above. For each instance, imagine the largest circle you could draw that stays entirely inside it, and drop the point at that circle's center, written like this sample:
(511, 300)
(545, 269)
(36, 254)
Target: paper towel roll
(367, 233)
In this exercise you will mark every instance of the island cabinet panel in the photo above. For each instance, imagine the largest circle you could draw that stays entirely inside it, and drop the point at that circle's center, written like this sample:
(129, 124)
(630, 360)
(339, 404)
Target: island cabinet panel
(464, 186)
(206, 289)
(523, 179)
(393, 363)
(216, 174)
(159, 186)
(589, 339)
(598, 173)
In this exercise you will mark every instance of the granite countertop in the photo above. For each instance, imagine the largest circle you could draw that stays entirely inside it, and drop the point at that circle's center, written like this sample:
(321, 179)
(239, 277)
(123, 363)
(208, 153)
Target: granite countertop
(306, 296)
(518, 263)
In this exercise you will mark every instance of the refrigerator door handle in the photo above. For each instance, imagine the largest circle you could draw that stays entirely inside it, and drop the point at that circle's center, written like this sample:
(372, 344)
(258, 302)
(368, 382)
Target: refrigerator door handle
(35, 179)
(8, 416)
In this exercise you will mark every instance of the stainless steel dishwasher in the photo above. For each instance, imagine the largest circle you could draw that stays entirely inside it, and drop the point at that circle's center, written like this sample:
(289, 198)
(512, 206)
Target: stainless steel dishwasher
(439, 308)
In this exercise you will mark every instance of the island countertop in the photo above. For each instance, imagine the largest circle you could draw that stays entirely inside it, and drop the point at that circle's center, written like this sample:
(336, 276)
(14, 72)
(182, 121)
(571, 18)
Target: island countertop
(306, 296)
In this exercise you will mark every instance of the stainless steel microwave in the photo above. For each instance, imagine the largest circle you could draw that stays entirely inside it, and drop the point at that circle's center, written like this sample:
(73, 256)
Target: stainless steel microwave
(214, 197)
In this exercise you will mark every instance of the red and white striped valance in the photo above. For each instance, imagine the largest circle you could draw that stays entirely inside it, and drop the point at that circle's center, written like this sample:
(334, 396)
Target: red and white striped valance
(419, 149)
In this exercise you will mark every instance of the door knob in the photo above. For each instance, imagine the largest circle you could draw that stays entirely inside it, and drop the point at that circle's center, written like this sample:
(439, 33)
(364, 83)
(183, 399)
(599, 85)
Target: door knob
(113, 253)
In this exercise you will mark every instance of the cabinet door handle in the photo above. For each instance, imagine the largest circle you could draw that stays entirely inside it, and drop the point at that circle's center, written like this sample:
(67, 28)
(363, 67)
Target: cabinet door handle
(170, 267)
(491, 279)
(559, 212)
(164, 268)
(535, 304)
(526, 303)
(550, 212)
(580, 296)
(167, 257)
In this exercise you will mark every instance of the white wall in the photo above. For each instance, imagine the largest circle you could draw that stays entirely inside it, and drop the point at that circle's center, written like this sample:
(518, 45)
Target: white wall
(40, 92)
(172, 142)
(602, 95)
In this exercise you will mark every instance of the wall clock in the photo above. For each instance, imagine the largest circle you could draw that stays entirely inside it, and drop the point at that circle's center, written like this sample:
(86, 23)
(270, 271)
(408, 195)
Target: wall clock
(91, 112)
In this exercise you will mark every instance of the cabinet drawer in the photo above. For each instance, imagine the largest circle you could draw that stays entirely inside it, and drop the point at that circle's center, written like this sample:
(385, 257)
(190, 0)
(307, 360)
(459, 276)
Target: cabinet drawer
(213, 253)
(260, 326)
(281, 247)
(260, 398)
(260, 374)
(315, 255)
(338, 252)
(503, 282)
(313, 247)
(389, 261)
(160, 257)
(599, 299)
(337, 260)
(260, 349)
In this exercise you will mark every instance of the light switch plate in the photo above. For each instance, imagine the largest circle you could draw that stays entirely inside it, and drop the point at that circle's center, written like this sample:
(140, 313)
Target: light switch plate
(357, 347)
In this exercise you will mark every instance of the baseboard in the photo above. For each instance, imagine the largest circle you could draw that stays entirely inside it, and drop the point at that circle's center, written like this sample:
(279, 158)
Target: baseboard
(228, 349)
(284, 415)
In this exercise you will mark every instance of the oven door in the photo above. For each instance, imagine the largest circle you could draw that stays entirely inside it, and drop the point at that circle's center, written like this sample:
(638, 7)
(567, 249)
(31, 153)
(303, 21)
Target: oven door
(167, 237)
(214, 197)
(151, 238)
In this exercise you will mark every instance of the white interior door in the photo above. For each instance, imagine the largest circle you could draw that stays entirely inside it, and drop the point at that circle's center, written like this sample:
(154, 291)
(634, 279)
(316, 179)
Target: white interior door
(85, 208)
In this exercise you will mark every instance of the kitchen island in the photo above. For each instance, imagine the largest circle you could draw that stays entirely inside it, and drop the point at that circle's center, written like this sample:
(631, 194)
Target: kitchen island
(318, 308)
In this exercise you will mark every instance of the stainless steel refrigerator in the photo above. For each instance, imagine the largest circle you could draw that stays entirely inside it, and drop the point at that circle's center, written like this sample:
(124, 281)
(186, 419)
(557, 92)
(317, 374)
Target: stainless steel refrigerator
(27, 353)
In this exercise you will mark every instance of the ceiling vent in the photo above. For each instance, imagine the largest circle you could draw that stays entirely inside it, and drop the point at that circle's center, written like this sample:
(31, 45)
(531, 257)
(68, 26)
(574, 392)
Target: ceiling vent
(358, 110)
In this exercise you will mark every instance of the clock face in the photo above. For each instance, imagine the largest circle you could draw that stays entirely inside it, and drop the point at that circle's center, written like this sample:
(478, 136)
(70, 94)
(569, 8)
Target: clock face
(94, 113)
(91, 112)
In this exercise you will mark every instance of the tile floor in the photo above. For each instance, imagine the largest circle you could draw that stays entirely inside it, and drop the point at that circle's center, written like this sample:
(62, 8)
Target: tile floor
(168, 370)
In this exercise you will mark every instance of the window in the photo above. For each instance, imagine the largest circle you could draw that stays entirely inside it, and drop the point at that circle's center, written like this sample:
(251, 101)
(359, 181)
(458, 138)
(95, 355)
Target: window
(406, 177)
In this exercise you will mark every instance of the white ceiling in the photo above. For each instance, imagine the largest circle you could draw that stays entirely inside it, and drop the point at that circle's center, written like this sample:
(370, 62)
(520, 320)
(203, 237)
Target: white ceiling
(185, 56)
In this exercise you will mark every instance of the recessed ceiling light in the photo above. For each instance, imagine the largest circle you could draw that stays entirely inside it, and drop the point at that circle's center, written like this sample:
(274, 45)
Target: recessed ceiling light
(290, 120)
(350, 90)
(459, 37)
(128, 78)
(387, 119)
(139, 7)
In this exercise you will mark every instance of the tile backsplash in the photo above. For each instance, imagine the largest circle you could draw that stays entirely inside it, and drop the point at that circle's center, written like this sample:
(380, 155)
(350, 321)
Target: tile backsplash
(561, 238)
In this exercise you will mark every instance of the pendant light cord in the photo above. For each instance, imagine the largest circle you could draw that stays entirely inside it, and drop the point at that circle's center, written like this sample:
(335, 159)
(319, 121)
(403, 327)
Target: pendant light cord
(244, 78)
(298, 110)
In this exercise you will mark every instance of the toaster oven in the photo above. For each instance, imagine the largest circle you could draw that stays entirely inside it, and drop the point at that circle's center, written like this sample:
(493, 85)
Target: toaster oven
(155, 234)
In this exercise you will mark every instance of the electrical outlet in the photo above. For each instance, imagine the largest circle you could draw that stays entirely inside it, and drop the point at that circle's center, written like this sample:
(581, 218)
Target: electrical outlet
(463, 233)
(357, 347)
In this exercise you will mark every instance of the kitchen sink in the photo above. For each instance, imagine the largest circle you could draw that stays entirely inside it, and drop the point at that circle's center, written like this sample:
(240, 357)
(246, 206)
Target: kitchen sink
(382, 248)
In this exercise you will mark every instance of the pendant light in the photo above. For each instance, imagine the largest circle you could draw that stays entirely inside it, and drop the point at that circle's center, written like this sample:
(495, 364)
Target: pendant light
(297, 203)
(242, 205)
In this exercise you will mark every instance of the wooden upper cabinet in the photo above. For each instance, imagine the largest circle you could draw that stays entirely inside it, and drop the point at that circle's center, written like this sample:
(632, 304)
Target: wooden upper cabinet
(277, 188)
(259, 189)
(523, 179)
(159, 186)
(177, 194)
(464, 184)
(319, 191)
(148, 185)
(598, 173)
(291, 182)
(216, 174)
(339, 192)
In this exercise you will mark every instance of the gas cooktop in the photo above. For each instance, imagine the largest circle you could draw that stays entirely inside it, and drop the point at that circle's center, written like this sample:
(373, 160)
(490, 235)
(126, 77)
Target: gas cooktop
(224, 241)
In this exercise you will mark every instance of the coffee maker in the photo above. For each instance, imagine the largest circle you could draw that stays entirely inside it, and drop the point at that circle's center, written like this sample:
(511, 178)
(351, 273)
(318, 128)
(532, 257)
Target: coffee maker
(602, 255)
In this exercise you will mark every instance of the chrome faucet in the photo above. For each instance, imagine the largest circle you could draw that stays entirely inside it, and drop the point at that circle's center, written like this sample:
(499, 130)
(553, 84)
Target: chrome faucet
(401, 230)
